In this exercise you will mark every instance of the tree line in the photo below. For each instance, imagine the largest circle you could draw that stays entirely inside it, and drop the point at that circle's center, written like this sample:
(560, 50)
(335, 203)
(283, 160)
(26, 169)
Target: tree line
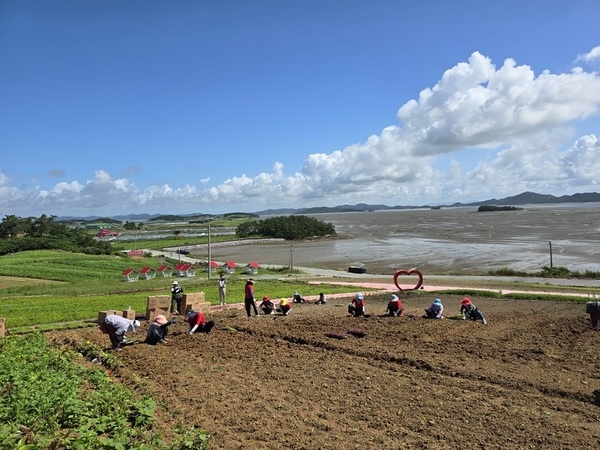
(286, 227)
(44, 233)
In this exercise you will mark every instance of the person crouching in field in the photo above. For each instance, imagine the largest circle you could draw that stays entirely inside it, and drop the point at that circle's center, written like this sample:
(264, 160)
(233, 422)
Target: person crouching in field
(284, 307)
(470, 311)
(267, 305)
(297, 298)
(116, 327)
(435, 310)
(357, 307)
(394, 306)
(593, 309)
(322, 299)
(198, 323)
(158, 330)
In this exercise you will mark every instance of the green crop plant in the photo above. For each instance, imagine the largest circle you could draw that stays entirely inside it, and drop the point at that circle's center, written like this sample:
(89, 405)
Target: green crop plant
(49, 400)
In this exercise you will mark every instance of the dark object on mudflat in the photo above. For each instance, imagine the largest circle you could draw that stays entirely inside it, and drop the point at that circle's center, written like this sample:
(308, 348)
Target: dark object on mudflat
(335, 335)
(357, 269)
(357, 332)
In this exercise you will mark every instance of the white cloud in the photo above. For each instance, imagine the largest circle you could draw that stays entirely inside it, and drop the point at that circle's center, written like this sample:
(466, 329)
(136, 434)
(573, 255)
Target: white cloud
(518, 122)
(592, 56)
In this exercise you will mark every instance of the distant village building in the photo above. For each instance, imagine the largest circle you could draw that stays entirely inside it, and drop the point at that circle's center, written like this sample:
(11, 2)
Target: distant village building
(252, 268)
(130, 275)
(185, 270)
(104, 233)
(229, 267)
(165, 270)
(147, 273)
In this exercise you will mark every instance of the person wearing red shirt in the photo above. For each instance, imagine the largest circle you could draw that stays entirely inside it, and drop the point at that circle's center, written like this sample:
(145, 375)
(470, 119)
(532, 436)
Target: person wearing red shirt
(249, 301)
(395, 307)
(198, 323)
(357, 307)
(267, 305)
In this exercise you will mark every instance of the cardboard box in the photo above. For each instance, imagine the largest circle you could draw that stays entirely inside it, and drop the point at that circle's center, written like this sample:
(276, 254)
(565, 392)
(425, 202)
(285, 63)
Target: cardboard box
(102, 315)
(2, 327)
(158, 301)
(193, 301)
(129, 314)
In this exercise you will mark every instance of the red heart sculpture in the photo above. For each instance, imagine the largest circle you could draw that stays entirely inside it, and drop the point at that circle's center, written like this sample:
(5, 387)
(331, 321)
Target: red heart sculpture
(413, 271)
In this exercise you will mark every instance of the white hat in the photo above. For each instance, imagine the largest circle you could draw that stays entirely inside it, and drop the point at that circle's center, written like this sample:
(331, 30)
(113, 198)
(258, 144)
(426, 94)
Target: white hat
(175, 282)
(134, 326)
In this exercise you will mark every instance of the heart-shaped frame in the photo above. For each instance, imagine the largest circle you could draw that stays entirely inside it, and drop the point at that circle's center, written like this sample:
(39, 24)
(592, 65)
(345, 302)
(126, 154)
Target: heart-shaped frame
(412, 271)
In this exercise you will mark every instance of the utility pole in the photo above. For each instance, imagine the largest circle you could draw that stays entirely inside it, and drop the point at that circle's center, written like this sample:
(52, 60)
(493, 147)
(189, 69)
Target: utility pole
(291, 258)
(550, 254)
(209, 252)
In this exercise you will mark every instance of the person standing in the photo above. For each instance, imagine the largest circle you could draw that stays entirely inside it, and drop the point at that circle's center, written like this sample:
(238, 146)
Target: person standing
(116, 327)
(249, 301)
(176, 296)
(222, 290)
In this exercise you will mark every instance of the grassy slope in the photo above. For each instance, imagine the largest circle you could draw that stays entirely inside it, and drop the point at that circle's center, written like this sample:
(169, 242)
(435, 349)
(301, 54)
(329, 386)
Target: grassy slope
(85, 284)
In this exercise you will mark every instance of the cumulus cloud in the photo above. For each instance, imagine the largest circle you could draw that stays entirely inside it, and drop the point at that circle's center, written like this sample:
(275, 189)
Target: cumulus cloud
(592, 56)
(519, 123)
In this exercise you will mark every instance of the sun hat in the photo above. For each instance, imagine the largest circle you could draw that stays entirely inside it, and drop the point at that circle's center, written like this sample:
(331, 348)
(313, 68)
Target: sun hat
(160, 319)
(359, 296)
(134, 326)
(175, 282)
(266, 297)
(437, 301)
(394, 298)
(250, 280)
(190, 313)
(465, 301)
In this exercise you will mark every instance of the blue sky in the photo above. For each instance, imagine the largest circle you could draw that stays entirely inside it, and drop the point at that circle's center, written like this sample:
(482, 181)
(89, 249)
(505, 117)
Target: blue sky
(115, 107)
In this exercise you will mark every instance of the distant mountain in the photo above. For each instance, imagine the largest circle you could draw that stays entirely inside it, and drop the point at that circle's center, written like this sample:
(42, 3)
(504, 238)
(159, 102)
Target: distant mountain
(526, 198)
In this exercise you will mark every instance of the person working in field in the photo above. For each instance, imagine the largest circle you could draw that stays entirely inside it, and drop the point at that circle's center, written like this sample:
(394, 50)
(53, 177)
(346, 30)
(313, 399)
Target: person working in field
(435, 310)
(116, 327)
(297, 298)
(395, 307)
(285, 307)
(322, 299)
(158, 330)
(267, 305)
(198, 323)
(593, 309)
(470, 311)
(357, 307)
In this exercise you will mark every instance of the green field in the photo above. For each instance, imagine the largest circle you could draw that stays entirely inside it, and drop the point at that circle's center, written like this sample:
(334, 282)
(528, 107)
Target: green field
(42, 288)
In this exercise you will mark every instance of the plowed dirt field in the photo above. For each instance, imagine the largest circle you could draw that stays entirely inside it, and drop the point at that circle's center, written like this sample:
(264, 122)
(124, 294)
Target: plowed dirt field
(527, 379)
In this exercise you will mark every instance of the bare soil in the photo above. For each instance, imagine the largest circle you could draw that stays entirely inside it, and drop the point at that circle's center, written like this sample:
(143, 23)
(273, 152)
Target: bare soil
(528, 379)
